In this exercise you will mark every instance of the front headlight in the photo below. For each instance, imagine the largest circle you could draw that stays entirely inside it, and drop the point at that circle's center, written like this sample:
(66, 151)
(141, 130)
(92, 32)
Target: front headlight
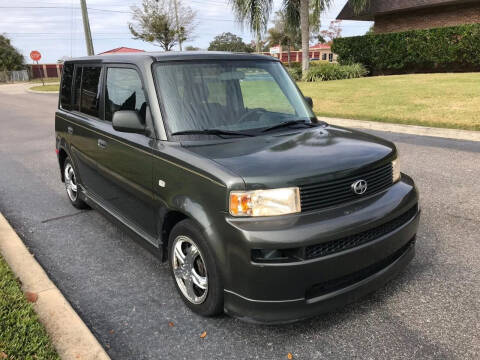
(265, 202)
(396, 170)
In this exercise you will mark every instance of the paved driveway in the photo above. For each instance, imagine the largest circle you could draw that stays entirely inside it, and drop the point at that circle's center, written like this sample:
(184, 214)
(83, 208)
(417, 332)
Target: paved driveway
(127, 297)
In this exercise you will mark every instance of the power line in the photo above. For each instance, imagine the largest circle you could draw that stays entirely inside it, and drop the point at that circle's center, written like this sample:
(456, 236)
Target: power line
(63, 7)
(130, 12)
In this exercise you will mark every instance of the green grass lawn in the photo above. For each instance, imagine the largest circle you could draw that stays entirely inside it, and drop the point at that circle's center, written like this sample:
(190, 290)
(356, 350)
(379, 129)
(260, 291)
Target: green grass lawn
(439, 100)
(46, 87)
(46, 80)
(22, 336)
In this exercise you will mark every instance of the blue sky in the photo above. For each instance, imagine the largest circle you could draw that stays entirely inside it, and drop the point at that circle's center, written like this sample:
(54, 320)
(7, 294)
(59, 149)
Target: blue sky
(56, 30)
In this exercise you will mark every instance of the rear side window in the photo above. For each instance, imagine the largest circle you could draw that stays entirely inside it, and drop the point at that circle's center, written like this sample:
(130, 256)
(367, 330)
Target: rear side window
(78, 84)
(124, 91)
(66, 91)
(90, 98)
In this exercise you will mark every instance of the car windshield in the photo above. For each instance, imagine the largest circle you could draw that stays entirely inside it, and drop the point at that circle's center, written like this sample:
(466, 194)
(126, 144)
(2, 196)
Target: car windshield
(235, 96)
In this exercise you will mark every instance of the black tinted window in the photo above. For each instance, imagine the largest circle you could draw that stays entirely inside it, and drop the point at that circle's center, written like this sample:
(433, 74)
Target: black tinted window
(124, 92)
(66, 92)
(90, 97)
(78, 83)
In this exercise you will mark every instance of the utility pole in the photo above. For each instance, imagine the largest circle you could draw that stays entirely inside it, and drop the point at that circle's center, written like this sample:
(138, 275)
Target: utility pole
(86, 28)
(178, 27)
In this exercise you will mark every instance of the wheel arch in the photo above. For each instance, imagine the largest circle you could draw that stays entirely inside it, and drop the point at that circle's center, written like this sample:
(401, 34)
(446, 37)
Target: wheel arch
(173, 216)
(62, 156)
(169, 220)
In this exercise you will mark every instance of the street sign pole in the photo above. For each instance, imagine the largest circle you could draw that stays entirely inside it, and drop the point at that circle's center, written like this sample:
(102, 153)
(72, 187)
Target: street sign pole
(41, 76)
(35, 56)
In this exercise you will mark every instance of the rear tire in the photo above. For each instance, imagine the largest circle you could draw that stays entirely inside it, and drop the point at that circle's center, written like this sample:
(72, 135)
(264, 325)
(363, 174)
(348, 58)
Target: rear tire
(194, 269)
(70, 177)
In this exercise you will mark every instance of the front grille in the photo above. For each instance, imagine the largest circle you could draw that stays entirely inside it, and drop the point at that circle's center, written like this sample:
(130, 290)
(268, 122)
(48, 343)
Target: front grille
(347, 280)
(330, 193)
(334, 246)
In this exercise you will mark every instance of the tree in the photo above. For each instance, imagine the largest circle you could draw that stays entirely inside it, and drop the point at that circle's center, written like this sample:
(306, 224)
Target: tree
(334, 31)
(156, 22)
(229, 42)
(256, 13)
(10, 58)
(321, 39)
(282, 33)
(262, 45)
(192, 48)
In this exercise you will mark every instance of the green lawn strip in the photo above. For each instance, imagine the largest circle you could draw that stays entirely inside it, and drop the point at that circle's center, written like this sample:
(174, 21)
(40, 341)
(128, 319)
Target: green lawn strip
(46, 80)
(22, 336)
(437, 100)
(53, 87)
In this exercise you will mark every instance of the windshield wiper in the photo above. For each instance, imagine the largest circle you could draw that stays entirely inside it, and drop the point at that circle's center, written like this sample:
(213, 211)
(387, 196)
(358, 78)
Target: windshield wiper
(290, 123)
(217, 132)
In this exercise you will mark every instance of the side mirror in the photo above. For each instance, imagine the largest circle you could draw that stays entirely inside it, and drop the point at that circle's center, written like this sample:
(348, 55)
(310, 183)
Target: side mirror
(309, 101)
(128, 121)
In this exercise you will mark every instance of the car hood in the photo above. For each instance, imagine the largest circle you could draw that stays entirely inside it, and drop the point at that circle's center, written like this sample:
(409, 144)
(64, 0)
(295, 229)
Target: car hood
(297, 157)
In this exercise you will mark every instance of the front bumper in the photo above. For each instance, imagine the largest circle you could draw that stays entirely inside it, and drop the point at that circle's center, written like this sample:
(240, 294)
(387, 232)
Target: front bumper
(285, 292)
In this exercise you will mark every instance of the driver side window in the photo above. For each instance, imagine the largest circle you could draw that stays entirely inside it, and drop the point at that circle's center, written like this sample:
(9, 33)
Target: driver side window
(124, 91)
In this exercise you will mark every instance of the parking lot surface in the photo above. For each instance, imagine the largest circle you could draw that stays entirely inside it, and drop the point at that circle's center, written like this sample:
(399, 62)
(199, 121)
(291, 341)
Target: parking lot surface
(127, 298)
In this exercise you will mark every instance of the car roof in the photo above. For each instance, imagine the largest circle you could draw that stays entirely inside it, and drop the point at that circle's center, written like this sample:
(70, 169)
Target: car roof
(139, 58)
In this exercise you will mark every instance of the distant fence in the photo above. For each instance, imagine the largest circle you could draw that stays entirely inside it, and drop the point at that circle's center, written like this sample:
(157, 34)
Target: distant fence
(45, 70)
(14, 76)
(33, 71)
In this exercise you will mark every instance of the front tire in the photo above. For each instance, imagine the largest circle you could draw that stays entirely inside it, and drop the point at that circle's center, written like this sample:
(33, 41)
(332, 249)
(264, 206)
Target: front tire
(71, 185)
(194, 270)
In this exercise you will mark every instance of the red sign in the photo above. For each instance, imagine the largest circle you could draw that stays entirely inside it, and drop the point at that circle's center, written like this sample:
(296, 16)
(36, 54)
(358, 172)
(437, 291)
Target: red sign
(35, 55)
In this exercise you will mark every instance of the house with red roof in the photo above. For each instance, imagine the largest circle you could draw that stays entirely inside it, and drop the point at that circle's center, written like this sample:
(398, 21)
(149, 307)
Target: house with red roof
(316, 52)
(122, 49)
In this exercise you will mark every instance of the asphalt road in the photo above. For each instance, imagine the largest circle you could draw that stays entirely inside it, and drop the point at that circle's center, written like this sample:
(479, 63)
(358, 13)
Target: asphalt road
(127, 298)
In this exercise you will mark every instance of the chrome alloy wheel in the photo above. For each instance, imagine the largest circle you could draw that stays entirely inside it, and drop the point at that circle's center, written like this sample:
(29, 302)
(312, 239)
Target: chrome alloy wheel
(70, 182)
(189, 269)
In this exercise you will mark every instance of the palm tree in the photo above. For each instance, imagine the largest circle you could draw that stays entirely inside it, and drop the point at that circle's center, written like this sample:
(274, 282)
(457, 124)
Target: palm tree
(256, 13)
(283, 33)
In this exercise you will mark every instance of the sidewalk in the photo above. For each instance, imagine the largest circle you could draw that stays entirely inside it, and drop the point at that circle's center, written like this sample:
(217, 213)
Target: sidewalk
(70, 336)
(405, 129)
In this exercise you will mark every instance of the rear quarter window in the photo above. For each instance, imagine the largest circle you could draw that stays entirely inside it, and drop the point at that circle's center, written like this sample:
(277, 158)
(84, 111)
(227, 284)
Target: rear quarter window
(66, 91)
(90, 98)
(77, 84)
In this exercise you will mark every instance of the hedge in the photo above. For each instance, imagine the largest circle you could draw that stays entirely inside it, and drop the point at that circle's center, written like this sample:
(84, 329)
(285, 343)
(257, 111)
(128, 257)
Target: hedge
(449, 49)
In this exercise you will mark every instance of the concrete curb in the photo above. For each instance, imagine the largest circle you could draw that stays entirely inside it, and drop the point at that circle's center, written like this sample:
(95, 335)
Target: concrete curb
(405, 129)
(69, 334)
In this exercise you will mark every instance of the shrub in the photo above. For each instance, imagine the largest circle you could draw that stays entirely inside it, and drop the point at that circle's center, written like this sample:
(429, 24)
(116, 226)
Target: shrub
(434, 50)
(327, 71)
(295, 72)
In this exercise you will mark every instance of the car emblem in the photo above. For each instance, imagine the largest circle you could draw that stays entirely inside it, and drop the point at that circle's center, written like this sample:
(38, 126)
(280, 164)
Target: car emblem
(359, 187)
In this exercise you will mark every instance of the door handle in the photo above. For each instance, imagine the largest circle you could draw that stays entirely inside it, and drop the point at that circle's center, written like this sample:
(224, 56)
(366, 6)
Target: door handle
(102, 144)
(70, 130)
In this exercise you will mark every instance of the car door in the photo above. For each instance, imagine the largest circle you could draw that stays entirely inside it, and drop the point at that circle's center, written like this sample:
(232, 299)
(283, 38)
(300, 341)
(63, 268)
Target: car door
(125, 164)
(82, 119)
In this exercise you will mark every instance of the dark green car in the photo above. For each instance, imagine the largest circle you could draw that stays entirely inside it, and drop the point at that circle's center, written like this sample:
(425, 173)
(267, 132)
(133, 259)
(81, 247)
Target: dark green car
(218, 164)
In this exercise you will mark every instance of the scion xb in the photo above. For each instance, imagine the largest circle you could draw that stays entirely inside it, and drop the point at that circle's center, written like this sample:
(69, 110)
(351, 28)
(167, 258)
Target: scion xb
(217, 163)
